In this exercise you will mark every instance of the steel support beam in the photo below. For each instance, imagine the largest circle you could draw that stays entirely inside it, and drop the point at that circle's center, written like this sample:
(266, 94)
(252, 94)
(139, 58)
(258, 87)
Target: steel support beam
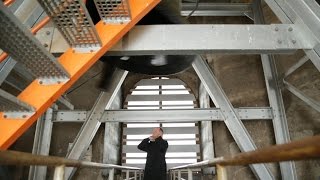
(206, 133)
(231, 118)
(112, 138)
(280, 125)
(41, 144)
(293, 68)
(312, 103)
(306, 17)
(92, 123)
(216, 9)
(164, 116)
(239, 39)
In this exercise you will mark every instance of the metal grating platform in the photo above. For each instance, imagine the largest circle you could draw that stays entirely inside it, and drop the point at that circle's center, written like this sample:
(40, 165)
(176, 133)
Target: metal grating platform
(74, 22)
(9, 103)
(22, 46)
(114, 11)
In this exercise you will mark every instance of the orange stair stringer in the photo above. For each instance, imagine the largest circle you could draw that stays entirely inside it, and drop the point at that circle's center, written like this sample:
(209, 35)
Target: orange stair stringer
(43, 96)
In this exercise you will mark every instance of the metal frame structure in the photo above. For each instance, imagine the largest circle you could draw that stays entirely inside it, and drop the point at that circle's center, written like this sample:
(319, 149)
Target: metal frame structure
(300, 31)
(42, 96)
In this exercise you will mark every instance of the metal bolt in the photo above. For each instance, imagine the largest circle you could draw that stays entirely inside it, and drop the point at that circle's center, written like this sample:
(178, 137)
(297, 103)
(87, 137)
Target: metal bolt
(293, 41)
(40, 82)
(45, 45)
(5, 116)
(279, 41)
(24, 116)
(59, 82)
(91, 50)
(290, 29)
(276, 29)
(47, 32)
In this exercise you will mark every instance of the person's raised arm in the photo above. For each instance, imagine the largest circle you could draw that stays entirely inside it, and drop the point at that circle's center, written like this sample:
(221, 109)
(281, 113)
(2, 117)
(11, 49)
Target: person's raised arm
(143, 146)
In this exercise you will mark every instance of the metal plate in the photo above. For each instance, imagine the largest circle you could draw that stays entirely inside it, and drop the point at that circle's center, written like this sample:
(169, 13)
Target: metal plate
(113, 11)
(73, 21)
(22, 46)
(9, 103)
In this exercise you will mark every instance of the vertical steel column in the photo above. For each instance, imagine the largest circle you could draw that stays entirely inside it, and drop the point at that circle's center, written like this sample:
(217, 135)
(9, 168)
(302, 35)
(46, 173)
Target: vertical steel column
(174, 175)
(179, 174)
(111, 174)
(280, 125)
(231, 118)
(92, 124)
(135, 175)
(206, 133)
(41, 144)
(59, 173)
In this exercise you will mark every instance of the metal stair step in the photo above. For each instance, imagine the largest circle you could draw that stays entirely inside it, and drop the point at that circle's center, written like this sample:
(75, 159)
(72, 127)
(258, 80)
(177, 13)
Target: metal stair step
(10, 103)
(74, 23)
(113, 11)
(17, 40)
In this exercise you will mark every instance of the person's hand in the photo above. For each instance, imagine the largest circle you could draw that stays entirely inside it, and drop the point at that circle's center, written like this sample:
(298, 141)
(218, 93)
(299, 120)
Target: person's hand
(152, 138)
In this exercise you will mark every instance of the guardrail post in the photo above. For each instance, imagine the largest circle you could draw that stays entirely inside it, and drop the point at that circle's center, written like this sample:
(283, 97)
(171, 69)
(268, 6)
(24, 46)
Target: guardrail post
(221, 172)
(179, 174)
(127, 174)
(59, 173)
(111, 174)
(189, 174)
(135, 175)
(174, 175)
(140, 175)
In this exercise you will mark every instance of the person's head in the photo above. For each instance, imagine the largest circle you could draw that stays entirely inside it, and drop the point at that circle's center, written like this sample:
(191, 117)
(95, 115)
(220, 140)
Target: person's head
(156, 132)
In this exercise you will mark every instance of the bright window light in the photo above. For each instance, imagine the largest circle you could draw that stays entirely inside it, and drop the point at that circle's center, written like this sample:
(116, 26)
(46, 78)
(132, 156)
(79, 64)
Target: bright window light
(142, 107)
(131, 103)
(178, 107)
(147, 87)
(136, 155)
(178, 124)
(142, 136)
(176, 92)
(178, 136)
(177, 102)
(182, 154)
(145, 93)
(135, 161)
(173, 87)
(174, 161)
(182, 142)
(143, 125)
(173, 139)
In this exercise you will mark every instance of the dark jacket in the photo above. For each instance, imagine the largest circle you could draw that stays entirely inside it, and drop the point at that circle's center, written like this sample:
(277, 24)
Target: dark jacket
(156, 166)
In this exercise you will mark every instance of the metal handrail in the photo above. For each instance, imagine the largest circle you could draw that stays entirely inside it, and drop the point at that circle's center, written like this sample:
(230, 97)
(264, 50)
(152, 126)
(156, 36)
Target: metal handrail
(28, 159)
(307, 148)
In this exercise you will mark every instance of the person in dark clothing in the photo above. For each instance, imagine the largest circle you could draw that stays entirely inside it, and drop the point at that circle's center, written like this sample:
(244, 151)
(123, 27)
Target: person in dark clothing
(156, 149)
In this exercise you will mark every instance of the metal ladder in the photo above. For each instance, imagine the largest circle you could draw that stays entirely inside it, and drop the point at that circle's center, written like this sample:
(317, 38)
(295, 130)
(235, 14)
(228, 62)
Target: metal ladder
(88, 42)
